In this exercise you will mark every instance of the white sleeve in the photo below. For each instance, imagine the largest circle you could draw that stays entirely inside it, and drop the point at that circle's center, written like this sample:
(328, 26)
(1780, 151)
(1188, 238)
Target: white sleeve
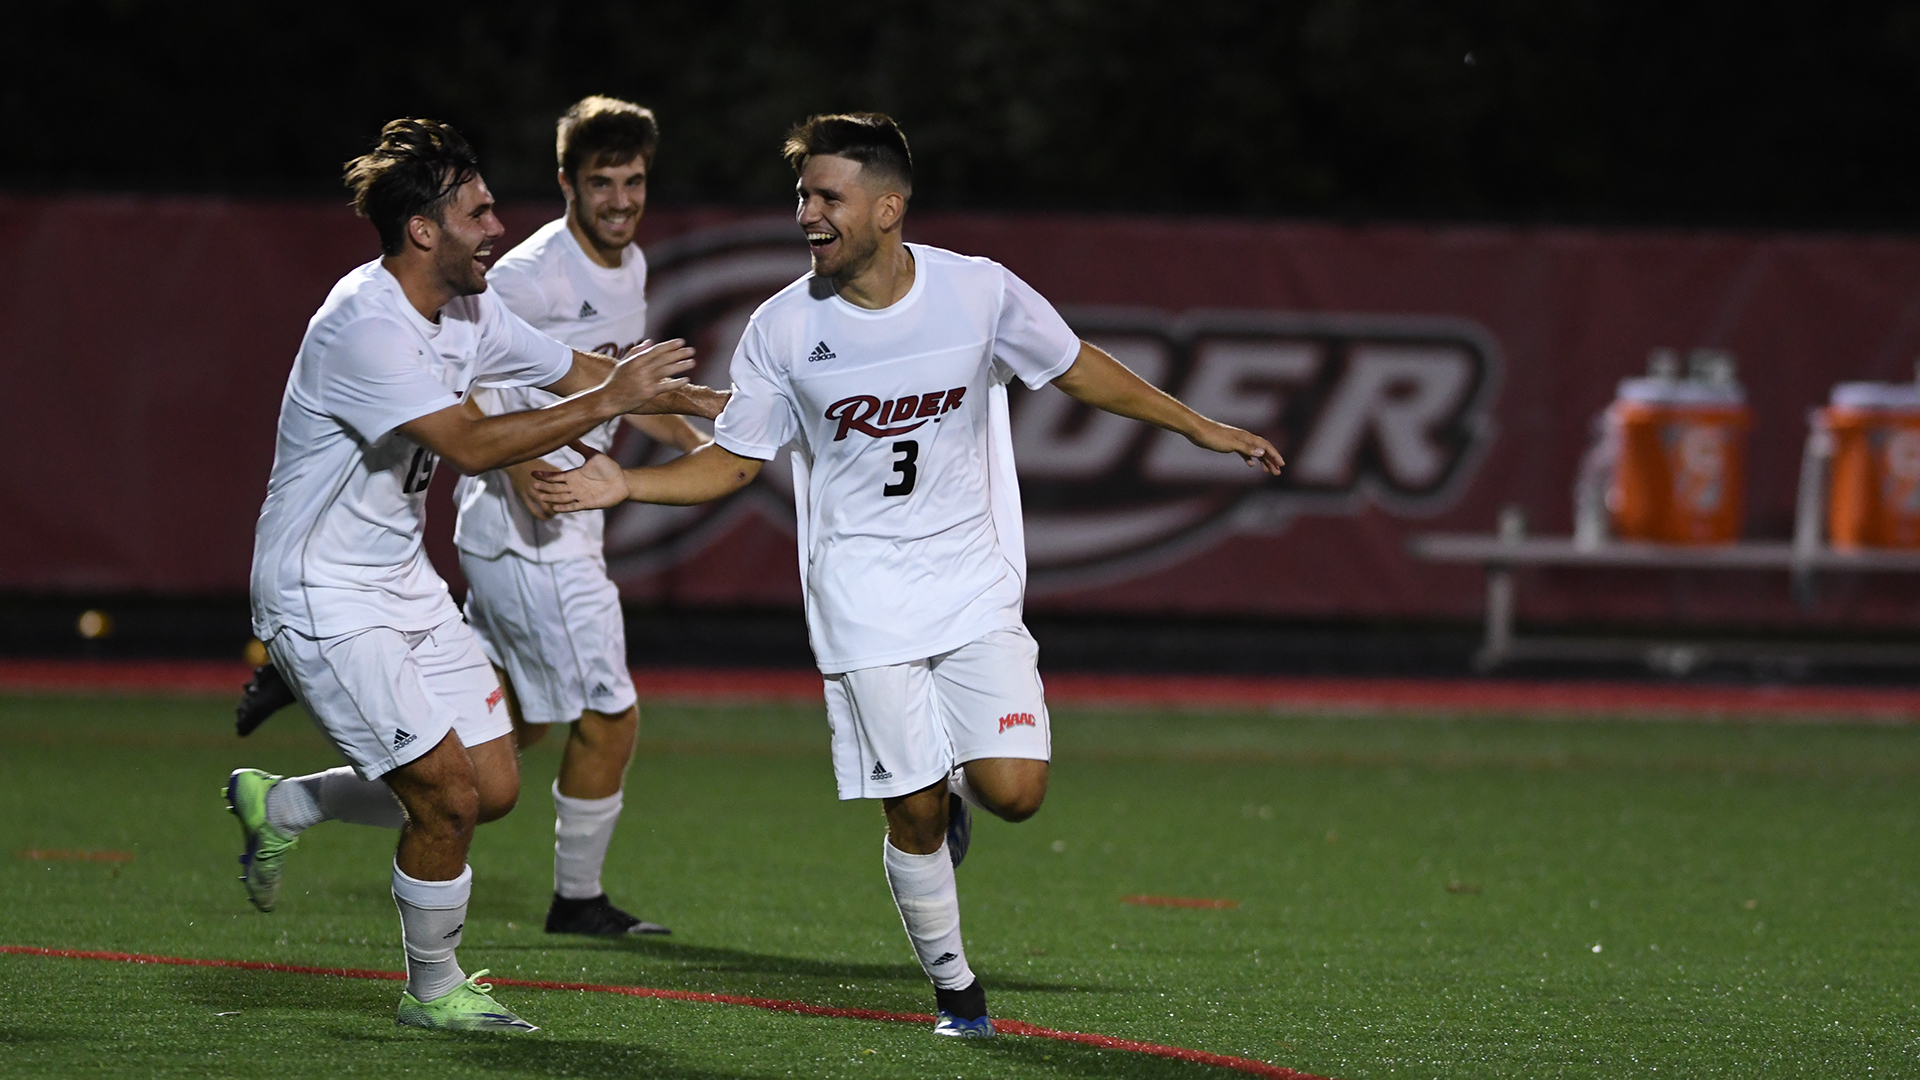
(760, 417)
(513, 353)
(520, 292)
(1031, 339)
(372, 380)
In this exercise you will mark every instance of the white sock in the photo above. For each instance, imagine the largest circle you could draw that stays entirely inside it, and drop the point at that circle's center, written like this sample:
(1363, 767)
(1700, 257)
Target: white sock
(299, 803)
(929, 904)
(582, 829)
(432, 915)
(957, 783)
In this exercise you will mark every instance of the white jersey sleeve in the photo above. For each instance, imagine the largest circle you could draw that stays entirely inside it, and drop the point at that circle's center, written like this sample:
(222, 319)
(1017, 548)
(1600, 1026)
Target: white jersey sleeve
(370, 379)
(761, 416)
(1030, 339)
(513, 353)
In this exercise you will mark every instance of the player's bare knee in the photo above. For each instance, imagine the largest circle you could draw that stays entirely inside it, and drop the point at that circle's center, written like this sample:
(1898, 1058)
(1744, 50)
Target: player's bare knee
(1021, 804)
(917, 823)
(496, 802)
(446, 811)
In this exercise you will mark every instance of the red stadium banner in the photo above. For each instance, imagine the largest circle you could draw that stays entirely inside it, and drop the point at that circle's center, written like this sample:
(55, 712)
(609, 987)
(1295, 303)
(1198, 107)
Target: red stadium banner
(1416, 377)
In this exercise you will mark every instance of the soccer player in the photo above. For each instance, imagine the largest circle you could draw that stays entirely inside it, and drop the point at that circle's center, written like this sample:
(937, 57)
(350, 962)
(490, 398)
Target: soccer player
(540, 600)
(352, 614)
(886, 371)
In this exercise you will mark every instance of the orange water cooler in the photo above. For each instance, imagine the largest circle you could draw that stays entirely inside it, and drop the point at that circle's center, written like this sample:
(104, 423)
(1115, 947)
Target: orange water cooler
(1679, 475)
(1873, 494)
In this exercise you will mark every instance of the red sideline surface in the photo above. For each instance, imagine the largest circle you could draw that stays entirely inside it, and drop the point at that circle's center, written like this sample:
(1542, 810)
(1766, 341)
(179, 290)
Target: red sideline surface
(1005, 1027)
(1512, 697)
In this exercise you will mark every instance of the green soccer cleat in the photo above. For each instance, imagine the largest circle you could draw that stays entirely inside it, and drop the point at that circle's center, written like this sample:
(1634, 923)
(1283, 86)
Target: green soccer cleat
(467, 1007)
(265, 854)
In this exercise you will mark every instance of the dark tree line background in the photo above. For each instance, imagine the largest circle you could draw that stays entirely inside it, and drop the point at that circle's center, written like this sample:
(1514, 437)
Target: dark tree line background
(1723, 112)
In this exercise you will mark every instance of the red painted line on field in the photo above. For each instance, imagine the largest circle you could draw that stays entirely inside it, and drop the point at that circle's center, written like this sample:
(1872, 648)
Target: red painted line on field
(67, 855)
(1179, 901)
(801, 1008)
(1495, 697)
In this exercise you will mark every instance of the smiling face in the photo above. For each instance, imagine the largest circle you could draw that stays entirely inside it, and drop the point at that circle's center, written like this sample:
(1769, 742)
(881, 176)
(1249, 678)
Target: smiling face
(462, 241)
(604, 204)
(843, 213)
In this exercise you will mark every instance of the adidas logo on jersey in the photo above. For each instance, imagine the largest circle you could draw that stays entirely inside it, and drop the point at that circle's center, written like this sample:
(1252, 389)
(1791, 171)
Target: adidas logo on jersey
(586, 310)
(855, 412)
(945, 958)
(879, 772)
(401, 738)
(820, 352)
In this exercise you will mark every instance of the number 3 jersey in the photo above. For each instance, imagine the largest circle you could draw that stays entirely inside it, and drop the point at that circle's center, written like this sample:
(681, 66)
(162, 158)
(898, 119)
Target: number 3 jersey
(338, 545)
(908, 510)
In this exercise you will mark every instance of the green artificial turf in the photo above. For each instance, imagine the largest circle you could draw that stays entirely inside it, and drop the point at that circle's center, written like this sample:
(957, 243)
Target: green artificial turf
(1417, 898)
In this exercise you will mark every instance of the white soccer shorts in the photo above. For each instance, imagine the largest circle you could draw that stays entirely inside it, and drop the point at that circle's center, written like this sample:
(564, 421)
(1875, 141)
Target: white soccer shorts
(556, 630)
(900, 728)
(384, 697)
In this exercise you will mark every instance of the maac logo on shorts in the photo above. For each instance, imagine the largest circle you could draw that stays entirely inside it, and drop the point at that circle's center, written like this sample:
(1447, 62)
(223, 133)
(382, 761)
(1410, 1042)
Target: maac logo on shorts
(1016, 719)
(499, 695)
(1381, 413)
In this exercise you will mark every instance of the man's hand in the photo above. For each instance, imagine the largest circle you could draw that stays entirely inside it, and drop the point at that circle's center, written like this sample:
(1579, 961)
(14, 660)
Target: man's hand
(708, 473)
(1222, 439)
(595, 485)
(521, 477)
(645, 374)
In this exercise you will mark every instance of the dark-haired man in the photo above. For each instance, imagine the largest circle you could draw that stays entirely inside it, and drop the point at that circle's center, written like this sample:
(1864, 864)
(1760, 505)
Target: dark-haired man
(540, 600)
(352, 614)
(886, 370)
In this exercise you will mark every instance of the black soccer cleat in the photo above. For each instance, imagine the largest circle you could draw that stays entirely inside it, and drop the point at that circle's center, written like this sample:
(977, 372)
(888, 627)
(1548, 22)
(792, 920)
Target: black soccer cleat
(597, 918)
(959, 828)
(962, 1013)
(265, 694)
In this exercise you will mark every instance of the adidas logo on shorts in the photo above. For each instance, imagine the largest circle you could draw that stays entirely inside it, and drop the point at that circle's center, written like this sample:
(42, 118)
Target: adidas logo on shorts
(401, 738)
(586, 310)
(820, 352)
(879, 771)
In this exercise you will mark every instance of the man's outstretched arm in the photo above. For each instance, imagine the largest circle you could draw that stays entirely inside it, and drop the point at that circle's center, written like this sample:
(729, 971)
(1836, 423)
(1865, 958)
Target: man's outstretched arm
(591, 369)
(706, 474)
(1105, 383)
(474, 443)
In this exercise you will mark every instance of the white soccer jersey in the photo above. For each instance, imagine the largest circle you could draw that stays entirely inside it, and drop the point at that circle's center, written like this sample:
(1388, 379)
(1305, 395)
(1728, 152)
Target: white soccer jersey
(338, 544)
(550, 282)
(909, 513)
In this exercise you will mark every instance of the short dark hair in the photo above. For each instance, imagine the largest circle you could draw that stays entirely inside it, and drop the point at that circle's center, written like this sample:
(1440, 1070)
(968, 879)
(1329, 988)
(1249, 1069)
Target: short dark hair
(415, 169)
(872, 139)
(604, 130)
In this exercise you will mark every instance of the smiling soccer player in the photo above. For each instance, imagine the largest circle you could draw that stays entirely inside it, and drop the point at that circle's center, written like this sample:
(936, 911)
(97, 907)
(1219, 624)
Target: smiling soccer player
(352, 613)
(886, 371)
(540, 599)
